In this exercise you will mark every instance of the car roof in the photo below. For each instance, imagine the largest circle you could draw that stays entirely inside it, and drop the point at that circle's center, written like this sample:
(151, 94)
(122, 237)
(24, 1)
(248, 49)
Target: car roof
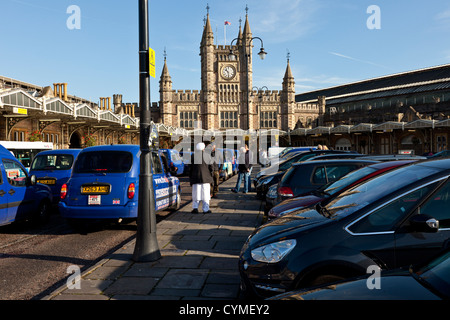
(135, 149)
(5, 153)
(387, 164)
(435, 163)
(60, 151)
(333, 161)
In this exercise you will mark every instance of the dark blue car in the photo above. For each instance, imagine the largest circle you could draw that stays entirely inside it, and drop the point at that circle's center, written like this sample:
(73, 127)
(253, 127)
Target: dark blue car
(21, 197)
(105, 184)
(53, 168)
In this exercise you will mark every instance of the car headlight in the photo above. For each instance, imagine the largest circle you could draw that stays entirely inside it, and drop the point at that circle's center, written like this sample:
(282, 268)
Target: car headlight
(274, 252)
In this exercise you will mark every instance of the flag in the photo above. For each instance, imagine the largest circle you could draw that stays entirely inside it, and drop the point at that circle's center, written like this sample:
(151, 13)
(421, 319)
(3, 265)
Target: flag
(227, 23)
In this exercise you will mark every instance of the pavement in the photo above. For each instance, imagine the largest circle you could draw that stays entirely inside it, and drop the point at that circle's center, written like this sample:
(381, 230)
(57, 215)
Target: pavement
(199, 256)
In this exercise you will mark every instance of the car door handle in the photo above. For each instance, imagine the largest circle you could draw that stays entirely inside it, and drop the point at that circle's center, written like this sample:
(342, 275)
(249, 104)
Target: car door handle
(2, 193)
(11, 192)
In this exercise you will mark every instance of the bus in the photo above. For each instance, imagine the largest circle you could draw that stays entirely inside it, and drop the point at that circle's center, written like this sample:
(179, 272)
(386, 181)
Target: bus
(25, 151)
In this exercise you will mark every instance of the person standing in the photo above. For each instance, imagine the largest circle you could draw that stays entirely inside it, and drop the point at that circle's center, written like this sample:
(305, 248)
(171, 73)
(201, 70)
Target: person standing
(217, 162)
(200, 178)
(245, 167)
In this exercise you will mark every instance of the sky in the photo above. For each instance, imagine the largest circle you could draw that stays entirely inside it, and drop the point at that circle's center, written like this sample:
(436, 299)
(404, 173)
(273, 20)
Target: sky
(94, 47)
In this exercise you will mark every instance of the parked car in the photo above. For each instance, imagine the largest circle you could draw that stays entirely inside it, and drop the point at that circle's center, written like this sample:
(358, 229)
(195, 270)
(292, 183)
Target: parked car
(272, 175)
(21, 197)
(393, 220)
(304, 177)
(53, 168)
(441, 154)
(174, 161)
(289, 152)
(430, 281)
(334, 188)
(105, 184)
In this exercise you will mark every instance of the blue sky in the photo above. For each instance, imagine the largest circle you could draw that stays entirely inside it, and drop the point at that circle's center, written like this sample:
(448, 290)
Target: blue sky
(328, 40)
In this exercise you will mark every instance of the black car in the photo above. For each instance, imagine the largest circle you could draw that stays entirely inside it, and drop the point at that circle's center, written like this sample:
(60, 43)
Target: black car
(304, 177)
(427, 282)
(272, 175)
(394, 220)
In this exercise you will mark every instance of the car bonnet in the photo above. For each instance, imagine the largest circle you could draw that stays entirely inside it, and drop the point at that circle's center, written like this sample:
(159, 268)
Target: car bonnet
(286, 226)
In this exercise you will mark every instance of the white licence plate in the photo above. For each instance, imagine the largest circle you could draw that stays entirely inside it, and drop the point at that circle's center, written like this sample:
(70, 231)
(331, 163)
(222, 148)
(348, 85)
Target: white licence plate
(94, 200)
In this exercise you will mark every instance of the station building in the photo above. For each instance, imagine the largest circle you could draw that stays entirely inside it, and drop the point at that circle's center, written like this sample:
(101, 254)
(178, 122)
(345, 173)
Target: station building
(408, 112)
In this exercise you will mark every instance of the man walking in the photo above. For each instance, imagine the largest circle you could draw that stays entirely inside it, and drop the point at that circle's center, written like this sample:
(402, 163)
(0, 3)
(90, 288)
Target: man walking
(245, 167)
(200, 178)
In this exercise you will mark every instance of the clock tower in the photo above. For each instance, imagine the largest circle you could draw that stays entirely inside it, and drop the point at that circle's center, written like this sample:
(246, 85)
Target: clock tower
(224, 83)
(226, 99)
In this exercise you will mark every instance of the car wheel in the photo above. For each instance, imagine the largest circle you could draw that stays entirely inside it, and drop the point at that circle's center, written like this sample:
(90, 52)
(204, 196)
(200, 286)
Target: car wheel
(42, 215)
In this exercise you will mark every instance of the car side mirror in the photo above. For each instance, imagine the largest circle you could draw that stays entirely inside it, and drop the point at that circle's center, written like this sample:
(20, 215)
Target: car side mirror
(31, 180)
(424, 223)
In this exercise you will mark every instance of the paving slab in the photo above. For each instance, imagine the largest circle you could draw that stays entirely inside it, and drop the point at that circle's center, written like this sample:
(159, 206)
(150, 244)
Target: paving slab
(199, 256)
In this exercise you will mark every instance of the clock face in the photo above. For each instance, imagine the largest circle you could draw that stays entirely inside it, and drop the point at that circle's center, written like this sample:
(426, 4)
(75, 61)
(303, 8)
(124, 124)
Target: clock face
(228, 72)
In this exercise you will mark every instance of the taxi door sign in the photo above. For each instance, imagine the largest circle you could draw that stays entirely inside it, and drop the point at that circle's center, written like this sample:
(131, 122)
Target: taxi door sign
(152, 69)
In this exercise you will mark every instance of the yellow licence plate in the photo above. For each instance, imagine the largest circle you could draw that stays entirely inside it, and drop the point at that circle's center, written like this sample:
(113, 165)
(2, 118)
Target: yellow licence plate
(95, 189)
(47, 181)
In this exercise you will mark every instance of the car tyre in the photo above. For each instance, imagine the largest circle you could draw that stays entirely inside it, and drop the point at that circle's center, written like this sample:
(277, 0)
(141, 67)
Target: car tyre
(42, 215)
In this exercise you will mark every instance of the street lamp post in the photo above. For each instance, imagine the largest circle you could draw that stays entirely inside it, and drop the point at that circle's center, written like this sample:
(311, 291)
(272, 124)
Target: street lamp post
(262, 54)
(146, 247)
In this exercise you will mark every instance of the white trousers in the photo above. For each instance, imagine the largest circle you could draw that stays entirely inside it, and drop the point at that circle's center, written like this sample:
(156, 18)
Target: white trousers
(201, 192)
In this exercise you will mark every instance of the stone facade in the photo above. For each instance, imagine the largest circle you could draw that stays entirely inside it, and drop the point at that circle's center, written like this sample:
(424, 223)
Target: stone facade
(227, 99)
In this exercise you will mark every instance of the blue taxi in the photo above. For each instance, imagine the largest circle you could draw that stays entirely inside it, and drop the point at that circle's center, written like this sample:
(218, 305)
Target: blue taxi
(53, 168)
(21, 198)
(105, 183)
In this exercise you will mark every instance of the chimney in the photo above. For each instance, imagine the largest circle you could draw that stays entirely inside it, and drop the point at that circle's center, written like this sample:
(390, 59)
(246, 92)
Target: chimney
(58, 90)
(65, 91)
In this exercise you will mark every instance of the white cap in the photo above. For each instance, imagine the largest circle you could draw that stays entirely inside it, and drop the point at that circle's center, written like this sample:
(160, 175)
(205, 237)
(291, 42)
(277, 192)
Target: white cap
(200, 146)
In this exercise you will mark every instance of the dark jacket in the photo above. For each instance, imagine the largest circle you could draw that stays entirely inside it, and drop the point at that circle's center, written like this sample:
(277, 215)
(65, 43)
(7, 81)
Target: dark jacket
(245, 162)
(200, 172)
(217, 160)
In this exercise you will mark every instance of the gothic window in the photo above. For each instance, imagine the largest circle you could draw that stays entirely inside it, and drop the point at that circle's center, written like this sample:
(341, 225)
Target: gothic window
(228, 119)
(187, 119)
(268, 119)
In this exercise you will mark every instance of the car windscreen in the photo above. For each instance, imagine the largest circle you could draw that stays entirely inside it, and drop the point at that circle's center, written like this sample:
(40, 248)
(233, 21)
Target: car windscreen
(334, 187)
(362, 195)
(175, 155)
(436, 273)
(52, 162)
(103, 162)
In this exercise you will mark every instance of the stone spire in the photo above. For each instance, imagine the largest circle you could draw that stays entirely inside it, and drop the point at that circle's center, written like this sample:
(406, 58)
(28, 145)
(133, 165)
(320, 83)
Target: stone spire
(165, 80)
(165, 94)
(247, 31)
(208, 35)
